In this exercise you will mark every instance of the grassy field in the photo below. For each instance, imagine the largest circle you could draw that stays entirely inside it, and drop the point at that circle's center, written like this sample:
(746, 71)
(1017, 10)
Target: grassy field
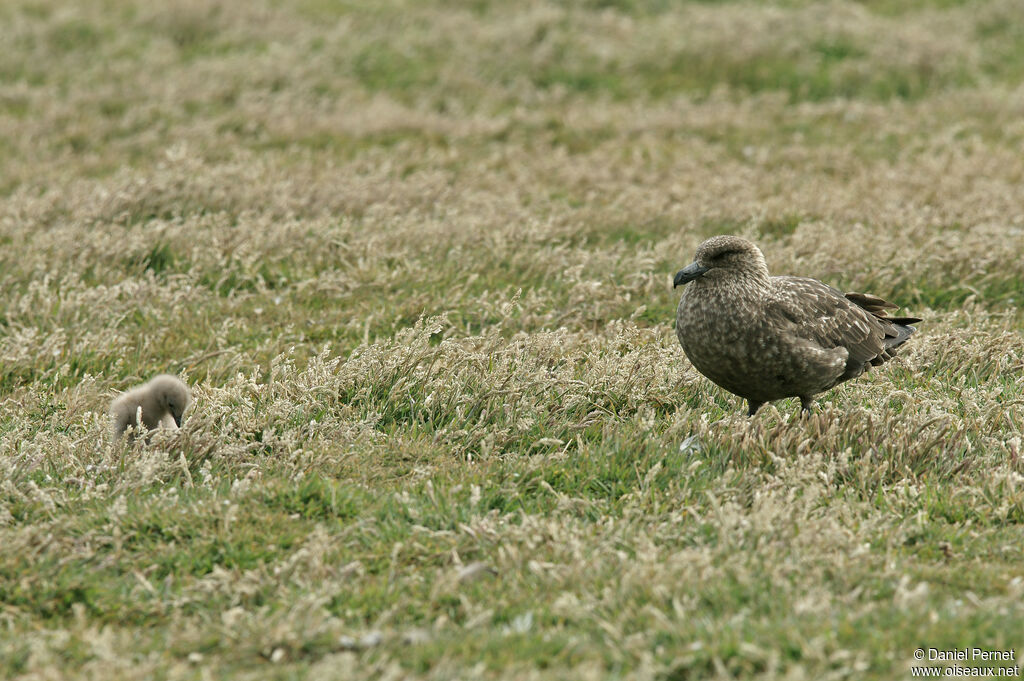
(415, 259)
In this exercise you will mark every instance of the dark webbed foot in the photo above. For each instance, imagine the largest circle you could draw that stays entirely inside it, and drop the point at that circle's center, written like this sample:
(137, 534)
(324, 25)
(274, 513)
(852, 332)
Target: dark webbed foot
(754, 406)
(805, 405)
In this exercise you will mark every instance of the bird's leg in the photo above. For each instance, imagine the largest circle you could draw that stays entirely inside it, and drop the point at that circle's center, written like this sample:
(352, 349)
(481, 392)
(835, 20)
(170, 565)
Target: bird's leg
(754, 406)
(805, 405)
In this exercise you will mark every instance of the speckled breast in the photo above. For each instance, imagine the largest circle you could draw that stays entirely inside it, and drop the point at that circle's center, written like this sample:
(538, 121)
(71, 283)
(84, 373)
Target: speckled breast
(732, 349)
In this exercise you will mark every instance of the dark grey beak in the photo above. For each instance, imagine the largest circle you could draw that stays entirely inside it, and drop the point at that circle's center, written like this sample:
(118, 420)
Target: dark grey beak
(177, 420)
(688, 274)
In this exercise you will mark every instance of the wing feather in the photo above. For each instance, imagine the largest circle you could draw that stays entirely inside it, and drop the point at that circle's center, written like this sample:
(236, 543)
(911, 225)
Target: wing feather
(826, 316)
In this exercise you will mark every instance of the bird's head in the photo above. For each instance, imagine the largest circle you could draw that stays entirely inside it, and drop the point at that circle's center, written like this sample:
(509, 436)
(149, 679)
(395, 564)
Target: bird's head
(724, 256)
(173, 395)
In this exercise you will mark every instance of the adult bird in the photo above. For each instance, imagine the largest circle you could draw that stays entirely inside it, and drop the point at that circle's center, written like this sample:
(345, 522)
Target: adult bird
(766, 338)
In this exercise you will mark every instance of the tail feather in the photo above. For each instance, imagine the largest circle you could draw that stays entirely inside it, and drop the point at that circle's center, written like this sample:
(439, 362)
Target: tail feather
(900, 327)
(902, 333)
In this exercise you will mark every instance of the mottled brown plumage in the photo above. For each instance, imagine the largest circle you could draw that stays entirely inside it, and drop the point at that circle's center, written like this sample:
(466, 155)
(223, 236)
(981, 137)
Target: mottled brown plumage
(765, 338)
(162, 401)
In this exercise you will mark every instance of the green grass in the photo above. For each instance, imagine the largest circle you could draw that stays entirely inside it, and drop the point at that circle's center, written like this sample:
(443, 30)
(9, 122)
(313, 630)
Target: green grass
(415, 260)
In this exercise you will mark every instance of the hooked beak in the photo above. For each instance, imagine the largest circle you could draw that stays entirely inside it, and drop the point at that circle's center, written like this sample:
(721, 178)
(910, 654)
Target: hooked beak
(688, 274)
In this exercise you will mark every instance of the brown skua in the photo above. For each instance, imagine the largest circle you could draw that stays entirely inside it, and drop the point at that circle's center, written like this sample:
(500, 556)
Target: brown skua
(766, 338)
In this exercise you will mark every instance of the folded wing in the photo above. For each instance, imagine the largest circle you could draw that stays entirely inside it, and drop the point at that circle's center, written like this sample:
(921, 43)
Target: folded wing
(830, 319)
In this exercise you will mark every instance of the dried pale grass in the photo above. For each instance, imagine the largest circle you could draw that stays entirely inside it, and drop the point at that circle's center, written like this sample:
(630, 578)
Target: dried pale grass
(415, 260)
